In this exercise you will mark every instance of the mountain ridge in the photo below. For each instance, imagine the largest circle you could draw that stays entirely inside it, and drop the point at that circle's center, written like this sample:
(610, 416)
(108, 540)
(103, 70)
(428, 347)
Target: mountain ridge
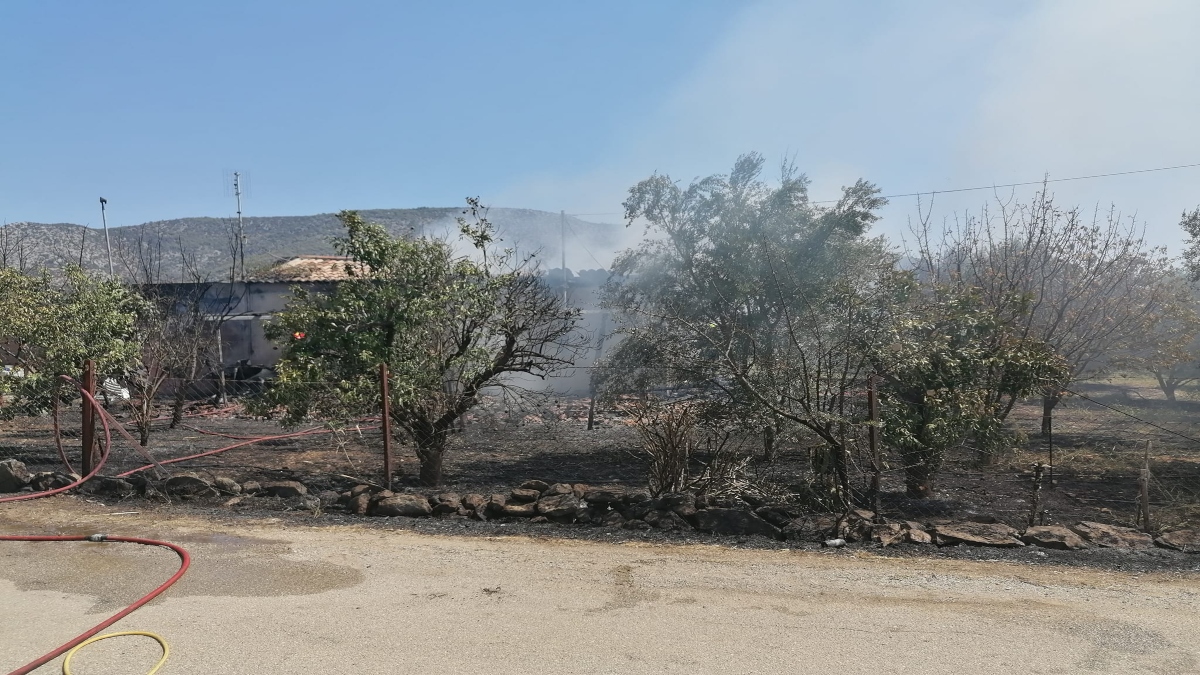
(206, 240)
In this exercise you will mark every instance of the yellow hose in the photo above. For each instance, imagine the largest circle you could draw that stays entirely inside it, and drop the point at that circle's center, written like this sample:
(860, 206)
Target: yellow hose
(161, 642)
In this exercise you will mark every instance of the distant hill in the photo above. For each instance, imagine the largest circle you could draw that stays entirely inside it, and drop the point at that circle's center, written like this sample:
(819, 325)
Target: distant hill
(270, 238)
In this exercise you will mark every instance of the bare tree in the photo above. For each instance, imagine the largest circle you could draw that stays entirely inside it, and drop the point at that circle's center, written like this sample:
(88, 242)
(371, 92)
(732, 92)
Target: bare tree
(1089, 289)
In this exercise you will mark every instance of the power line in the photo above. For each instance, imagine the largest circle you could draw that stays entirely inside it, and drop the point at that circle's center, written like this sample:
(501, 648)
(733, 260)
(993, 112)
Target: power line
(985, 187)
(581, 245)
(1132, 416)
(1032, 182)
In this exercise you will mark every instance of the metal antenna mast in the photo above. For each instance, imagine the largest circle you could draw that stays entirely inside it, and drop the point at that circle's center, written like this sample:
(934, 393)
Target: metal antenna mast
(107, 243)
(241, 233)
(563, 237)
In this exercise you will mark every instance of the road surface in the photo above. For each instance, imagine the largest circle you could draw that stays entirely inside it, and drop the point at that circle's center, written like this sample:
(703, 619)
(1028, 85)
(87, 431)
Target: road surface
(277, 597)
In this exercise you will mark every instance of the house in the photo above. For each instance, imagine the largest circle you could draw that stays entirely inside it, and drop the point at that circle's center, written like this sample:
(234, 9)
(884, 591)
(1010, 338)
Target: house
(244, 307)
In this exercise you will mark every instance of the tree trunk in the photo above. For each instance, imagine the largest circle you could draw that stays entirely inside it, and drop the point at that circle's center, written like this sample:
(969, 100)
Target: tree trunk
(1168, 387)
(918, 478)
(177, 406)
(431, 447)
(1050, 398)
(431, 466)
(769, 444)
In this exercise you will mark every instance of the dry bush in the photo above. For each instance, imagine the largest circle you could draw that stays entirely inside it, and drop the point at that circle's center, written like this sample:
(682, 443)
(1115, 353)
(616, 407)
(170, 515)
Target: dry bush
(668, 433)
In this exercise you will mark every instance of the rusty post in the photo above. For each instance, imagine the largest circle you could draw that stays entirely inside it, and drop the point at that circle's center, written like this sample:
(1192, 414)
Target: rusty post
(387, 424)
(873, 441)
(1144, 491)
(88, 416)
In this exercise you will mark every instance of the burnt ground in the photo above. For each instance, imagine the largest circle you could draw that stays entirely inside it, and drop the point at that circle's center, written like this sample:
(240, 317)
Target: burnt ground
(1098, 453)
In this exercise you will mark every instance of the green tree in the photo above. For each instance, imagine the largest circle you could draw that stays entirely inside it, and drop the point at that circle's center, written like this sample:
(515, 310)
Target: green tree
(50, 325)
(448, 326)
(951, 369)
(753, 294)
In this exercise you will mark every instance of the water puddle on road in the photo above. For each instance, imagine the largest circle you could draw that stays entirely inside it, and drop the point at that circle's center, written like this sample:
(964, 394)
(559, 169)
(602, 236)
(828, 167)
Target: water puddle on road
(116, 574)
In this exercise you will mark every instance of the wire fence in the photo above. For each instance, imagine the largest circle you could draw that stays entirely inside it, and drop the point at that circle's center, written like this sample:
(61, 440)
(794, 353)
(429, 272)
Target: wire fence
(1104, 438)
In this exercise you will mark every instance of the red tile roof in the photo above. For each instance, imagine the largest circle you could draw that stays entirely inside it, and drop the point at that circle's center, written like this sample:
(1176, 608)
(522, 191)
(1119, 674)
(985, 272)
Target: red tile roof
(305, 268)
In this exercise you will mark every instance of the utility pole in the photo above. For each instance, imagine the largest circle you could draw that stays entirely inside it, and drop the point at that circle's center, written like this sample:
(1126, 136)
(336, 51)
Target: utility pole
(241, 233)
(563, 235)
(107, 243)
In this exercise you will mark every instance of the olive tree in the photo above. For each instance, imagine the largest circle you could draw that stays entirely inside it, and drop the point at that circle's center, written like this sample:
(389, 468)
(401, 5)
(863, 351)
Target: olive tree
(751, 293)
(951, 369)
(448, 325)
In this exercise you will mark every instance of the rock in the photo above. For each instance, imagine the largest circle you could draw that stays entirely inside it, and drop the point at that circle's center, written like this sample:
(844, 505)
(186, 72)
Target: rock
(669, 520)
(813, 528)
(524, 495)
(52, 480)
(14, 475)
(227, 485)
(186, 484)
(604, 495)
(475, 502)
(359, 503)
(977, 534)
(563, 505)
(1053, 536)
(636, 524)
(887, 533)
(778, 516)
(412, 506)
(612, 518)
(539, 486)
(914, 533)
(447, 502)
(344, 497)
(381, 495)
(111, 487)
(558, 489)
(734, 521)
(539, 519)
(1113, 536)
(862, 514)
(285, 488)
(635, 497)
(636, 511)
(328, 497)
(834, 543)
(527, 510)
(854, 528)
(1187, 541)
(250, 487)
(918, 537)
(579, 490)
(495, 506)
(359, 489)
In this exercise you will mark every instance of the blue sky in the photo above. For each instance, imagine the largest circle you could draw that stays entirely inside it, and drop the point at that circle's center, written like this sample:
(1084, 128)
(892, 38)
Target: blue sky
(555, 105)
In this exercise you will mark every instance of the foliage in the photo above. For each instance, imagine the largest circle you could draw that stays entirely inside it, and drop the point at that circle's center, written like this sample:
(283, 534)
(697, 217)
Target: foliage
(447, 326)
(1189, 222)
(751, 294)
(49, 326)
(1171, 347)
(952, 368)
(1088, 289)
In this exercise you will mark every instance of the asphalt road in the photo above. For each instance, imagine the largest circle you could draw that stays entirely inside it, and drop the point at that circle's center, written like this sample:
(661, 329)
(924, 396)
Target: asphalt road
(278, 598)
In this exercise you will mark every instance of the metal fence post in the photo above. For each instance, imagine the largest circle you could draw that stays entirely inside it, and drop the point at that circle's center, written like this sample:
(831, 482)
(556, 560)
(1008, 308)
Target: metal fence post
(384, 390)
(873, 441)
(88, 416)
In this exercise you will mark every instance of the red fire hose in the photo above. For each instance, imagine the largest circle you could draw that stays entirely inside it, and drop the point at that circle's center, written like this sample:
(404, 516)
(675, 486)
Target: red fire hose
(185, 559)
(184, 562)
